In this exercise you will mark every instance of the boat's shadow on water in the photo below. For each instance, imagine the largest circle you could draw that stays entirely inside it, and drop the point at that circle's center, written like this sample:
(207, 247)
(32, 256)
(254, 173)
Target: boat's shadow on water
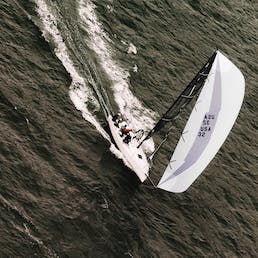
(119, 176)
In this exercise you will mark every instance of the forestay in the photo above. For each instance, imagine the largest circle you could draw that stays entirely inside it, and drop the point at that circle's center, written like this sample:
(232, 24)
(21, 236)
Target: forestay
(210, 122)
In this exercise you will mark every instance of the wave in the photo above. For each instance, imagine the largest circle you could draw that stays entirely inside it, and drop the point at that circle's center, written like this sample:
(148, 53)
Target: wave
(27, 226)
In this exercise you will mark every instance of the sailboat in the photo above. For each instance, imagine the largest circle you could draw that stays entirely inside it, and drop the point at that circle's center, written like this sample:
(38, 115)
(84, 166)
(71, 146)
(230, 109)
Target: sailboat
(220, 85)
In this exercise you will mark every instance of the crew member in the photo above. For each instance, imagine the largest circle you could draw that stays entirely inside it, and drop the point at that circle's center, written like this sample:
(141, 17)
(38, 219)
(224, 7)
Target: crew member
(125, 130)
(127, 138)
(117, 119)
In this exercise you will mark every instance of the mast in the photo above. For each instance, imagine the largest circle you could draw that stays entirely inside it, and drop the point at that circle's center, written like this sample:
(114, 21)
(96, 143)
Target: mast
(184, 98)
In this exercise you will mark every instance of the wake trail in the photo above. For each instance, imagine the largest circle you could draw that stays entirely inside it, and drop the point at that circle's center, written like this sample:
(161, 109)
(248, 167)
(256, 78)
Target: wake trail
(129, 105)
(79, 92)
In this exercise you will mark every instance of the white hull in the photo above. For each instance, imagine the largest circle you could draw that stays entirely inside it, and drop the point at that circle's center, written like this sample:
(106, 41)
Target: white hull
(135, 158)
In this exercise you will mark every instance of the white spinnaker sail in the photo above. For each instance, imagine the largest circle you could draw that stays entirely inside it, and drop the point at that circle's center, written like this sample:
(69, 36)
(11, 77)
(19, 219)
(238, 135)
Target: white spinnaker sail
(209, 124)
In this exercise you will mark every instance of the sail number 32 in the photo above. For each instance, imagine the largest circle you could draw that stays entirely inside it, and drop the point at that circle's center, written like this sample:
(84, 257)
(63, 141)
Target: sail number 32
(206, 125)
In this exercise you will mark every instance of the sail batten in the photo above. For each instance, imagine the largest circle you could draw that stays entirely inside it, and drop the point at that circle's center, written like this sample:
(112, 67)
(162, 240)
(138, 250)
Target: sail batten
(208, 125)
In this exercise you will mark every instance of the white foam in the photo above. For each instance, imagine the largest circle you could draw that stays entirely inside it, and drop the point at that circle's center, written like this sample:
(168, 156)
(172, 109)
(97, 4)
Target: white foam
(135, 68)
(110, 8)
(80, 93)
(129, 105)
(132, 49)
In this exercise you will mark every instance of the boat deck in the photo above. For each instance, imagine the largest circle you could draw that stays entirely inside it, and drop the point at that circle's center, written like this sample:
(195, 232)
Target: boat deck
(135, 158)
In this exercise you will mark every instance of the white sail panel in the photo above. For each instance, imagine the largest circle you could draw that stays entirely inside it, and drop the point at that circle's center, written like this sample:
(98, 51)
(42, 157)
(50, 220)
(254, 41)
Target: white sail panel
(209, 124)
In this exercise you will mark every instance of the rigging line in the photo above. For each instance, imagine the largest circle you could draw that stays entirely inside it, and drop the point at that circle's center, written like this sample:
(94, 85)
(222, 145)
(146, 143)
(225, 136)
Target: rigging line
(105, 97)
(104, 92)
(151, 181)
(159, 146)
(104, 102)
(108, 104)
(100, 97)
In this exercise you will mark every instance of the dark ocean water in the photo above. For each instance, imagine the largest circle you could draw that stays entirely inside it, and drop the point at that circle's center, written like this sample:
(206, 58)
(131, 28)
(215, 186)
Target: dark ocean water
(63, 193)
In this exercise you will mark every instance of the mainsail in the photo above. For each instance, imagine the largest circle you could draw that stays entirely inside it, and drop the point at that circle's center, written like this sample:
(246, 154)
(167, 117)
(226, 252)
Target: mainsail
(209, 124)
(184, 98)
